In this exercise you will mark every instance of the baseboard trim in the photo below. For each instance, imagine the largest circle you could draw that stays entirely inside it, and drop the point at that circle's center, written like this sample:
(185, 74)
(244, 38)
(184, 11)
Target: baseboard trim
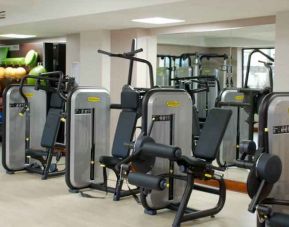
(231, 185)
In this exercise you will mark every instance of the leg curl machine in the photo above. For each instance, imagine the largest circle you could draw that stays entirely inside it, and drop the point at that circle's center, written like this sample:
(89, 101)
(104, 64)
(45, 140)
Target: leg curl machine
(198, 167)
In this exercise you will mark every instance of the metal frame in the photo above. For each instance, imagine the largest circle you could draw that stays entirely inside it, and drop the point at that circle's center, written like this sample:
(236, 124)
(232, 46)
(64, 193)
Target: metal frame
(243, 49)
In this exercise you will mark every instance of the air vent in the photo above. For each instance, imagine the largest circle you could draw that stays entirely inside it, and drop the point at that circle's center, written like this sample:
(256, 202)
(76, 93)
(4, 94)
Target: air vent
(2, 14)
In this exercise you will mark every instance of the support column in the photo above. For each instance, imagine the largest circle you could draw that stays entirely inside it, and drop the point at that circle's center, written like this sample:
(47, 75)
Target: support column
(281, 80)
(95, 68)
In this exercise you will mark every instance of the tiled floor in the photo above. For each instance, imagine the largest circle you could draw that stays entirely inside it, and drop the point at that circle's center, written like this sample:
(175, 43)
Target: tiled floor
(25, 200)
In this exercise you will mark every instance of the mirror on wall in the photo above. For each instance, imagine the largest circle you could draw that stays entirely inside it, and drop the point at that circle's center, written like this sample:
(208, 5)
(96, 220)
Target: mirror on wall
(214, 67)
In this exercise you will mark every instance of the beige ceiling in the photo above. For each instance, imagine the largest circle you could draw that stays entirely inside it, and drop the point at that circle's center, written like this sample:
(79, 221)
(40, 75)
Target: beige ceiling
(60, 17)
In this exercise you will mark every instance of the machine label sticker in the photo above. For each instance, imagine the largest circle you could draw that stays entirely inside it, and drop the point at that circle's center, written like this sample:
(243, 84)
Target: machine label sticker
(162, 117)
(173, 103)
(83, 111)
(13, 105)
(29, 95)
(282, 129)
(239, 97)
(93, 99)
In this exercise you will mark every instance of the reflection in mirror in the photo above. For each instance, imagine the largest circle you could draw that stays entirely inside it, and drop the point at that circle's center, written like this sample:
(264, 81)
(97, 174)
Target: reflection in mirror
(231, 68)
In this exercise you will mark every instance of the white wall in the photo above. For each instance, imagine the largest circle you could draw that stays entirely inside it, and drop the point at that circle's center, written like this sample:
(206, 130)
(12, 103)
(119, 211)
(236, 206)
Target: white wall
(72, 52)
(94, 67)
(281, 80)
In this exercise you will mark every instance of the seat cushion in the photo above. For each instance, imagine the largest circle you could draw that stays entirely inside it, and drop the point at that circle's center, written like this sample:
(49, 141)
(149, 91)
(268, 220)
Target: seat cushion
(192, 162)
(109, 161)
(36, 153)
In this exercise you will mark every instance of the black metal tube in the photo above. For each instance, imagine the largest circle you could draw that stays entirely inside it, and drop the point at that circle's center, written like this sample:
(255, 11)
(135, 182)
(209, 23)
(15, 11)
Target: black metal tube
(92, 154)
(184, 202)
(130, 71)
(41, 77)
(249, 64)
(129, 57)
(212, 211)
(208, 56)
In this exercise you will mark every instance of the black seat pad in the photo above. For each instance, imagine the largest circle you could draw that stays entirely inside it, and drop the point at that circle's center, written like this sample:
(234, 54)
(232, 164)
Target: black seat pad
(109, 161)
(192, 162)
(36, 153)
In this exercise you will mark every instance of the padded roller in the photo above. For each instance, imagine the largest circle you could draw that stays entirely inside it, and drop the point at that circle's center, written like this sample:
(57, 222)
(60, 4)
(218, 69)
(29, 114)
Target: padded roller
(269, 168)
(279, 220)
(161, 150)
(248, 147)
(147, 181)
(243, 164)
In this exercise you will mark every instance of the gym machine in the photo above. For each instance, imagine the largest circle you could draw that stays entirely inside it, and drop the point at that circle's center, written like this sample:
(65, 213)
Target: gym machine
(264, 174)
(236, 148)
(157, 186)
(197, 85)
(210, 79)
(269, 166)
(89, 156)
(166, 72)
(35, 124)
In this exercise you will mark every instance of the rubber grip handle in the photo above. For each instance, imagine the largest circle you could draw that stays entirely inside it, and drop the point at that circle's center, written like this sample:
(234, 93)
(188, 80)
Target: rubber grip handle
(104, 52)
(147, 181)
(131, 53)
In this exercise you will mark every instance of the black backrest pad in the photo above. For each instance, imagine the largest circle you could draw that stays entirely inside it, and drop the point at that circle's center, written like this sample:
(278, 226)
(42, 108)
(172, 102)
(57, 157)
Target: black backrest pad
(130, 98)
(212, 134)
(51, 127)
(124, 133)
(56, 101)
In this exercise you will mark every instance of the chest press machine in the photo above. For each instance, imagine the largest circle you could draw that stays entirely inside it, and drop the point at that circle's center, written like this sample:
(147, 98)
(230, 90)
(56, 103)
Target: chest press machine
(28, 118)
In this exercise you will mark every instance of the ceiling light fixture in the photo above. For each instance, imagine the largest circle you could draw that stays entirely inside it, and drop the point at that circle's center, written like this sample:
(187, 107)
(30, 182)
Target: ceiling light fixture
(158, 20)
(17, 36)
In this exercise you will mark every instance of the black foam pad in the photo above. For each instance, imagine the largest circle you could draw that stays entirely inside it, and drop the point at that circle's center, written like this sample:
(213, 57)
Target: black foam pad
(124, 133)
(130, 98)
(51, 128)
(279, 220)
(253, 184)
(212, 134)
(147, 181)
(269, 168)
(56, 101)
(161, 150)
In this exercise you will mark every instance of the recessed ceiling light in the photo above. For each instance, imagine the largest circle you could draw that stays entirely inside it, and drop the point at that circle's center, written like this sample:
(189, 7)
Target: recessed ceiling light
(157, 20)
(17, 36)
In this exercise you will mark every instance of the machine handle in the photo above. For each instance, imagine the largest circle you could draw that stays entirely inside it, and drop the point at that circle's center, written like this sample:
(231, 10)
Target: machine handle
(147, 181)
(132, 53)
(129, 56)
(104, 52)
(161, 150)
